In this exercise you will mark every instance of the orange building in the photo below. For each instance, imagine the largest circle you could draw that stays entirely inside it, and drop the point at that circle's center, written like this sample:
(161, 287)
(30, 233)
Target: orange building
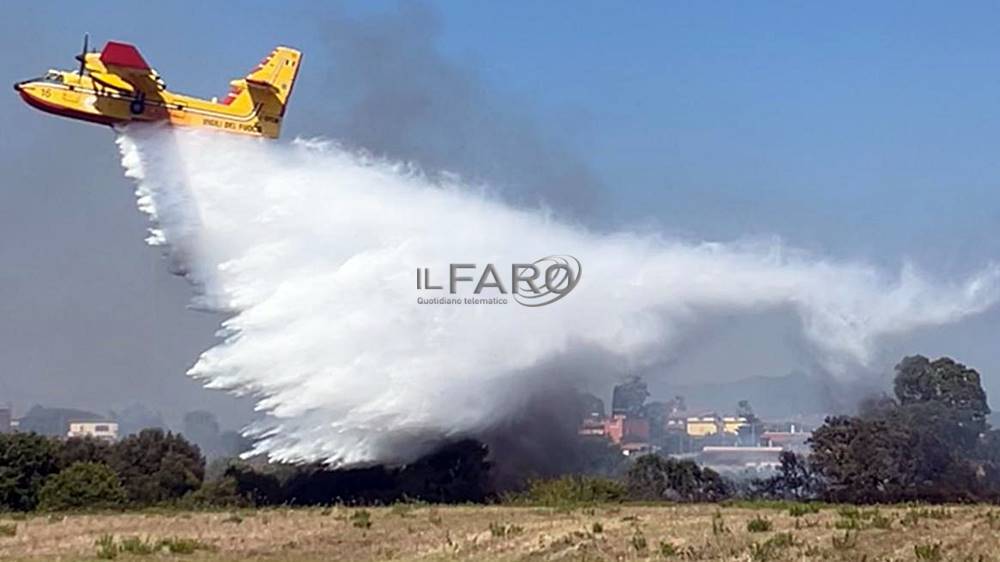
(624, 429)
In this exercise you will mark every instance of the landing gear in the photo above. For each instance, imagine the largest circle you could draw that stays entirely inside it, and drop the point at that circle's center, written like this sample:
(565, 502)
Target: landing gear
(138, 104)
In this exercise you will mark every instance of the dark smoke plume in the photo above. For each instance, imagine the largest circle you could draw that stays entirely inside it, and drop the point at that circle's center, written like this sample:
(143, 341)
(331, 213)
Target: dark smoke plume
(396, 95)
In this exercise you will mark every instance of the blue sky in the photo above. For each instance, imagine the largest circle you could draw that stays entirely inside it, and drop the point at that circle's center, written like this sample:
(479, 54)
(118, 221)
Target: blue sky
(857, 130)
(865, 129)
(801, 119)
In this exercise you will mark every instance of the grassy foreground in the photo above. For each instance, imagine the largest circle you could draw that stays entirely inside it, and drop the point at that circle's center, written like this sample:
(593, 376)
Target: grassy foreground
(495, 533)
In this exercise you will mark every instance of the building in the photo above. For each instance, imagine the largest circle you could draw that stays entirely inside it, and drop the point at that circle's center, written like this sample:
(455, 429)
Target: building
(794, 441)
(627, 429)
(712, 424)
(732, 424)
(630, 449)
(675, 424)
(741, 458)
(700, 426)
(593, 426)
(107, 430)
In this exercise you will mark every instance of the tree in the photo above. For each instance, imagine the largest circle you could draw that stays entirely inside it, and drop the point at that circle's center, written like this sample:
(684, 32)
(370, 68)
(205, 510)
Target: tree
(864, 461)
(943, 380)
(258, 487)
(795, 479)
(945, 395)
(596, 455)
(456, 473)
(929, 444)
(82, 485)
(84, 449)
(155, 466)
(26, 461)
(653, 478)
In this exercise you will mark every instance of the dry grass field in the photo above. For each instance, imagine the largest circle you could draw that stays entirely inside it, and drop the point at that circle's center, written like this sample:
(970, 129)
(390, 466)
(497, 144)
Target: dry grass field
(501, 533)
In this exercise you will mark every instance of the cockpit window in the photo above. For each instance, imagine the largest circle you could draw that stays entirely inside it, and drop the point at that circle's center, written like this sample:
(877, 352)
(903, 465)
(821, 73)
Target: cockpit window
(53, 76)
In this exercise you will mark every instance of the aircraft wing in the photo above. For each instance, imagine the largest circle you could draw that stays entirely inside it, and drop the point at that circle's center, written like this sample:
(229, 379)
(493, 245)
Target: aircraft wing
(125, 62)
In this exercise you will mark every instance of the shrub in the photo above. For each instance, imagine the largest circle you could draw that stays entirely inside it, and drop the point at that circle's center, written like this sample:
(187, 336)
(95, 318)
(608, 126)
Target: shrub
(502, 531)
(668, 549)
(106, 547)
(405, 508)
(137, 546)
(847, 542)
(930, 552)
(638, 541)
(800, 509)
(760, 552)
(718, 525)
(175, 545)
(8, 530)
(935, 513)
(82, 485)
(759, 525)
(993, 520)
(571, 490)
(879, 521)
(361, 519)
(849, 512)
(911, 518)
(806, 524)
(109, 549)
(782, 540)
(852, 524)
(233, 518)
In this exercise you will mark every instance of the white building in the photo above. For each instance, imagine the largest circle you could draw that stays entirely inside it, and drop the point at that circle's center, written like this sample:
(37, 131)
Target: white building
(99, 429)
(755, 458)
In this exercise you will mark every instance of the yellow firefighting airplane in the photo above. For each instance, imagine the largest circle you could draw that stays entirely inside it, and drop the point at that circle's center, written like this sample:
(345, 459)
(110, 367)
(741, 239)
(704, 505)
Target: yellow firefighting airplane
(116, 86)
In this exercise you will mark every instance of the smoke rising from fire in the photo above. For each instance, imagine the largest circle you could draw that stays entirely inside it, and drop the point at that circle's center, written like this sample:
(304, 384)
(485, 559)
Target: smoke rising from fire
(311, 250)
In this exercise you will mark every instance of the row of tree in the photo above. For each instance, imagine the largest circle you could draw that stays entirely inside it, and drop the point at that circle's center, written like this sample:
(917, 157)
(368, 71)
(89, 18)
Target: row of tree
(157, 467)
(929, 442)
(150, 467)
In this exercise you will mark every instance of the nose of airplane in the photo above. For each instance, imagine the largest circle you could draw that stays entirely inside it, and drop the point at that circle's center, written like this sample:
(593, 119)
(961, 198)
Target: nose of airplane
(17, 86)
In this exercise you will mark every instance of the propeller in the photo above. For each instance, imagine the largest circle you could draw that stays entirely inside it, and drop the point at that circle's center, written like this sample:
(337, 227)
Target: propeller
(82, 57)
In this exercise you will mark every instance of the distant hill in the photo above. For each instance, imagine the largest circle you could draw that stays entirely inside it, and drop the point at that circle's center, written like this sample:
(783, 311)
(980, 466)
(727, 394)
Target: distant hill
(790, 396)
(54, 421)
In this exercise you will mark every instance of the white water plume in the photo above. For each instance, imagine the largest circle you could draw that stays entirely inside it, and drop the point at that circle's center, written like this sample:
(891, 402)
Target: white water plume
(313, 251)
